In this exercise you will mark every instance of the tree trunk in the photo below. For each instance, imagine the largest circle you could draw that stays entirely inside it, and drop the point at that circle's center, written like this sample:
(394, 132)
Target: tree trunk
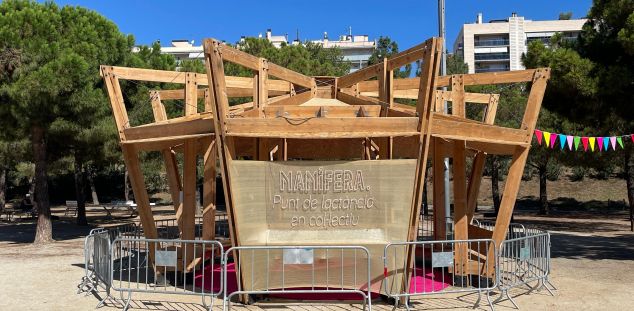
(79, 192)
(629, 179)
(91, 183)
(126, 183)
(543, 194)
(495, 183)
(3, 187)
(44, 231)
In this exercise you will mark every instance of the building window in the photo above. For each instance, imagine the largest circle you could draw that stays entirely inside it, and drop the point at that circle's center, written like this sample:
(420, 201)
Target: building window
(492, 56)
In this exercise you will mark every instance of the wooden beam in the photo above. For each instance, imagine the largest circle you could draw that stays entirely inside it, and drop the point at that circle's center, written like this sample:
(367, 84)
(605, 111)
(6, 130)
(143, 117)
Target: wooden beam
(216, 78)
(449, 128)
(169, 158)
(492, 77)
(131, 159)
(358, 100)
(458, 106)
(408, 56)
(241, 58)
(438, 203)
(187, 216)
(293, 100)
(201, 125)
(209, 192)
(461, 225)
(313, 111)
(322, 127)
(236, 86)
(534, 102)
(116, 100)
(191, 94)
(291, 76)
(359, 75)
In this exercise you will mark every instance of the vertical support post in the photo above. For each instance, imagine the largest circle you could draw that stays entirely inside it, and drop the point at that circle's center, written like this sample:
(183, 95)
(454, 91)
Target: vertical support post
(209, 193)
(187, 217)
(191, 94)
(169, 158)
(438, 171)
(461, 226)
(458, 107)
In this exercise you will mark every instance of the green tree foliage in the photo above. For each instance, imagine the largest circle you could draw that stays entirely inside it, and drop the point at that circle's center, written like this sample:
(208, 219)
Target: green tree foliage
(456, 65)
(50, 80)
(385, 48)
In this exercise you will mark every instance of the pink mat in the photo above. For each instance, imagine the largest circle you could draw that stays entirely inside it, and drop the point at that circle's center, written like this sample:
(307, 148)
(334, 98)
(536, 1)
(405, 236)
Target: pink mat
(430, 282)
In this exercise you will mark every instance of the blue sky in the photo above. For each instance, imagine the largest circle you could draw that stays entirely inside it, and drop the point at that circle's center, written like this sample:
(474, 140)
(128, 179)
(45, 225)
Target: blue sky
(407, 22)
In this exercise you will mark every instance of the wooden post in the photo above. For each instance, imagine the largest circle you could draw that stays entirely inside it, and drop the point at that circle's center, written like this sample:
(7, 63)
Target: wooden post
(209, 193)
(426, 97)
(458, 107)
(169, 158)
(187, 217)
(461, 226)
(438, 171)
(131, 159)
(191, 94)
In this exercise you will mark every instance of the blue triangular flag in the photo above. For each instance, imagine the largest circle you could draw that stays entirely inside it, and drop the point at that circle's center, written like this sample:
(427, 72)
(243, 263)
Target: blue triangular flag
(562, 141)
(606, 143)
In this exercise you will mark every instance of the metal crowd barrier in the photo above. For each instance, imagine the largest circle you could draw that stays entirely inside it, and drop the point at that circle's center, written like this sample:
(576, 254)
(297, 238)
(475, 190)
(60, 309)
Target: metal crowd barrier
(88, 281)
(437, 264)
(522, 261)
(165, 266)
(316, 263)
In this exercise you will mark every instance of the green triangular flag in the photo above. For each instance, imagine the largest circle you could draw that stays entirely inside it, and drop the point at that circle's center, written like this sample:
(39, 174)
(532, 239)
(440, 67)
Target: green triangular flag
(619, 140)
(577, 140)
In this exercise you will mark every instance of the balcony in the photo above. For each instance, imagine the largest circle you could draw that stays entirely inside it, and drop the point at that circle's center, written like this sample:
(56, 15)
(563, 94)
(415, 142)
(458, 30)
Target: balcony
(491, 56)
(492, 42)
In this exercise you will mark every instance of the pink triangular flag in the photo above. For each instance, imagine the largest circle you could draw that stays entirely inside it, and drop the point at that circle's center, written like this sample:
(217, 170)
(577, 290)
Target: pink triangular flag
(632, 136)
(584, 141)
(600, 142)
(538, 135)
(569, 140)
(613, 142)
(553, 139)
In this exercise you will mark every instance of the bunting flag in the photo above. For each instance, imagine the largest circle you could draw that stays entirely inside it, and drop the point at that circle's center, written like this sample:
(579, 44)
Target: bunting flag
(562, 141)
(601, 143)
(538, 135)
(553, 139)
(613, 142)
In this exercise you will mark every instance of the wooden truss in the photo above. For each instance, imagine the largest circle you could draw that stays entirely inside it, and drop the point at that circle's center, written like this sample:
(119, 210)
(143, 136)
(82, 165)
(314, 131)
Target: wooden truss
(293, 116)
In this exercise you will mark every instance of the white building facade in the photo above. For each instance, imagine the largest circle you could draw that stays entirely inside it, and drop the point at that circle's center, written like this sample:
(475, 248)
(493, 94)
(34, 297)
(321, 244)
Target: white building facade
(499, 44)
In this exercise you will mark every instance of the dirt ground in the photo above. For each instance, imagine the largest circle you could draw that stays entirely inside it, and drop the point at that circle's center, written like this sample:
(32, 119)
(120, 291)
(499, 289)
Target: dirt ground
(593, 269)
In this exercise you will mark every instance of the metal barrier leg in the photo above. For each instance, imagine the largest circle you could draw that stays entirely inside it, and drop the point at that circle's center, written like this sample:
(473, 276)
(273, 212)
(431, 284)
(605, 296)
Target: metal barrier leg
(488, 294)
(127, 302)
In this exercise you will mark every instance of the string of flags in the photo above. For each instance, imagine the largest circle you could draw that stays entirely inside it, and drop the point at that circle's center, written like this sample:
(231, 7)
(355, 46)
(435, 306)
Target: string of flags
(572, 142)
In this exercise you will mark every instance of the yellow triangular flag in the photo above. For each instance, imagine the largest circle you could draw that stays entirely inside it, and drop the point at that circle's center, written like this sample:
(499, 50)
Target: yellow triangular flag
(547, 139)
(592, 139)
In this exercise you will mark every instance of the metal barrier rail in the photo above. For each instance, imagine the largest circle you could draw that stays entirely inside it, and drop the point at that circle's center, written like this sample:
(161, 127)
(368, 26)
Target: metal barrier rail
(306, 261)
(101, 262)
(522, 261)
(461, 263)
(88, 282)
(165, 266)
(168, 228)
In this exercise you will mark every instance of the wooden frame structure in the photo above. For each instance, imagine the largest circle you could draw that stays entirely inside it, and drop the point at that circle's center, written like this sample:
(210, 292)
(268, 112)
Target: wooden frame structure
(293, 116)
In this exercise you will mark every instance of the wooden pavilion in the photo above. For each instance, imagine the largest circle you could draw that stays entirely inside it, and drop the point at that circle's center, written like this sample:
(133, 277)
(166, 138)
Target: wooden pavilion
(297, 118)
